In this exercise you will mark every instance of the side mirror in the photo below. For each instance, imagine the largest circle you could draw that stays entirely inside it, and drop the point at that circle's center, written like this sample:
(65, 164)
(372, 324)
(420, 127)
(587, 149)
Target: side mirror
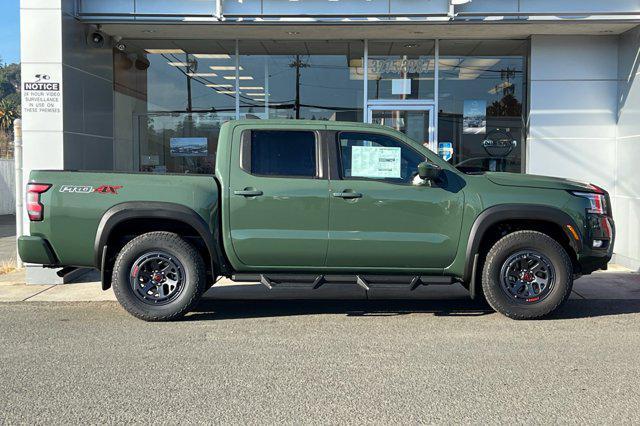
(428, 171)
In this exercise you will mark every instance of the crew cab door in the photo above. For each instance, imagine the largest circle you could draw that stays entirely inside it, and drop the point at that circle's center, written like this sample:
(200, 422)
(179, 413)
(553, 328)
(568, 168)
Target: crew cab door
(278, 197)
(379, 217)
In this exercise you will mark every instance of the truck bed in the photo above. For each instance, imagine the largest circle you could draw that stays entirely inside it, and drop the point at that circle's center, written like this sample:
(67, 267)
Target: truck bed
(77, 200)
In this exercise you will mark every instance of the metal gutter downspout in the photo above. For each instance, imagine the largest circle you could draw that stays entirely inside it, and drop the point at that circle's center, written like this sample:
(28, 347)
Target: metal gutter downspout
(17, 158)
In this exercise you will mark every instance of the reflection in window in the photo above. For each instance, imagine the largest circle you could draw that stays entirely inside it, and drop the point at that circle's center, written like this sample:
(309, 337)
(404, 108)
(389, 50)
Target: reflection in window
(481, 103)
(190, 95)
(401, 69)
(306, 80)
(178, 143)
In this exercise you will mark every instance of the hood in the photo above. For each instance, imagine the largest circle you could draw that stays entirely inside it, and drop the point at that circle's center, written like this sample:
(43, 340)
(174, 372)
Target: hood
(536, 181)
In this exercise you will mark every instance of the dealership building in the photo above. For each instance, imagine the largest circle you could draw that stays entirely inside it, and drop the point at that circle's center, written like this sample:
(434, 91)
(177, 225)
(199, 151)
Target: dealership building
(525, 86)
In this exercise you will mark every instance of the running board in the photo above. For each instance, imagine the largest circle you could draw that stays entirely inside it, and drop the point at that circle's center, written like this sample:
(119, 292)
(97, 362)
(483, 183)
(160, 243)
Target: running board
(367, 282)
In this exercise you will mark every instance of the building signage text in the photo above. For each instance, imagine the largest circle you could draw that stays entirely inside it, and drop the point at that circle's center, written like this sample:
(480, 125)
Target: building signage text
(42, 95)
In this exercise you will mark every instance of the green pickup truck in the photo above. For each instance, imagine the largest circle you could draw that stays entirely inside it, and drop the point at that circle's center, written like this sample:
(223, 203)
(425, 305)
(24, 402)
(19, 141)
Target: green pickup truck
(309, 204)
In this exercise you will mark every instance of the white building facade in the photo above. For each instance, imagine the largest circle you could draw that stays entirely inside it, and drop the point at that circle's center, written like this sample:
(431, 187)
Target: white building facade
(524, 86)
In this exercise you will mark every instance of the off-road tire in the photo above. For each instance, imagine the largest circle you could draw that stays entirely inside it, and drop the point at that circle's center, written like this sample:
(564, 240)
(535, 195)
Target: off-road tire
(498, 255)
(192, 288)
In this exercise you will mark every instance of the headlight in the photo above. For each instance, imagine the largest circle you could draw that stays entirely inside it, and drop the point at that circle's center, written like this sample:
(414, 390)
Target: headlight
(598, 202)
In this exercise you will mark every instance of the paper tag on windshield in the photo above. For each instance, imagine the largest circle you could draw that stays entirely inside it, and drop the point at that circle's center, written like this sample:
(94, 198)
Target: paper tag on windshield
(375, 162)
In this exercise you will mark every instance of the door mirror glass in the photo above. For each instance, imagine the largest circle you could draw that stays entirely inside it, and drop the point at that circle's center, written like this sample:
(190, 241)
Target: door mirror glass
(428, 171)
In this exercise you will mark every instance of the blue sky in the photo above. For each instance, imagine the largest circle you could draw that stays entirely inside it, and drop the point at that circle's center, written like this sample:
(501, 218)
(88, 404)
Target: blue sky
(10, 31)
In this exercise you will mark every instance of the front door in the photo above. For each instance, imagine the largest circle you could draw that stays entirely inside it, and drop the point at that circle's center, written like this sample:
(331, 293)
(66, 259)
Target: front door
(416, 120)
(278, 198)
(380, 216)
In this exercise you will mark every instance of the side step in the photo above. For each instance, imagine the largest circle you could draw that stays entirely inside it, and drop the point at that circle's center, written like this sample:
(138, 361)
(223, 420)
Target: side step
(367, 282)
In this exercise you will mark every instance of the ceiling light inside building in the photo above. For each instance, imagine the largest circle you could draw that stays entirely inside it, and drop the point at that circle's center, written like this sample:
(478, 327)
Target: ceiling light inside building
(212, 56)
(165, 51)
(178, 64)
(252, 87)
(219, 85)
(224, 68)
(472, 68)
(202, 74)
(227, 92)
(255, 94)
(242, 77)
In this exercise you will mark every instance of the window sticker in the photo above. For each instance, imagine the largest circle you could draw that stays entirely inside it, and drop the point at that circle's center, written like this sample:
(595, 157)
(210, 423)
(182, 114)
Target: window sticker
(375, 162)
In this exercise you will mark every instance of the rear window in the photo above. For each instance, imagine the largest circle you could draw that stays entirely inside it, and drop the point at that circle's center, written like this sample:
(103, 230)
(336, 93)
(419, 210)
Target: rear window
(283, 153)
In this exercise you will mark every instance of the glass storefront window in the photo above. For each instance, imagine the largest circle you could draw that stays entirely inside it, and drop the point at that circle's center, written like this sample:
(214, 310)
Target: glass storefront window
(179, 142)
(482, 87)
(401, 69)
(169, 110)
(316, 80)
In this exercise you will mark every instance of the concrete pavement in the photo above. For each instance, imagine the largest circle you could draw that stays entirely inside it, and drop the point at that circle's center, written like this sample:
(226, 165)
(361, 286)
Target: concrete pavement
(320, 362)
(7, 238)
(240, 360)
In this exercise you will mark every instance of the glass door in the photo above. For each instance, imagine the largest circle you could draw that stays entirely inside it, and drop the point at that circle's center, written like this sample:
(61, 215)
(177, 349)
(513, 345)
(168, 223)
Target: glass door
(416, 121)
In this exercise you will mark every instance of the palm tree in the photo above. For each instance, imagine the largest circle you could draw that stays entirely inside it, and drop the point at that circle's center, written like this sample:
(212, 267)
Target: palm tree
(8, 114)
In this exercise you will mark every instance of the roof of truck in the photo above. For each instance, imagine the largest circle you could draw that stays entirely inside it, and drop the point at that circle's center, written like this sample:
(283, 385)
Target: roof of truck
(315, 123)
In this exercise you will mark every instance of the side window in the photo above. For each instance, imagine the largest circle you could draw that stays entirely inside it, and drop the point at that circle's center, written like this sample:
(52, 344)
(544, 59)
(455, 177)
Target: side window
(281, 153)
(376, 156)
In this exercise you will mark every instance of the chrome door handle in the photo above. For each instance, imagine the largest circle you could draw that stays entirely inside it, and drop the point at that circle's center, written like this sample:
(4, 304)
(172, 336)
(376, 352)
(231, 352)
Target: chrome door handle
(347, 195)
(248, 192)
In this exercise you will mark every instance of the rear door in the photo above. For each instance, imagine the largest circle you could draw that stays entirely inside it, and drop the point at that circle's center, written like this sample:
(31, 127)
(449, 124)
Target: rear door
(279, 198)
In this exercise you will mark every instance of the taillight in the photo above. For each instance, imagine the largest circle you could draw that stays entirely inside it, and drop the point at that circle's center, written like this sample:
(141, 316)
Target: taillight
(597, 202)
(35, 209)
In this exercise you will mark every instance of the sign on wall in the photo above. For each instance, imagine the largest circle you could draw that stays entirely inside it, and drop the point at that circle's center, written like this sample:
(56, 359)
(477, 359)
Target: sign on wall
(42, 92)
(42, 95)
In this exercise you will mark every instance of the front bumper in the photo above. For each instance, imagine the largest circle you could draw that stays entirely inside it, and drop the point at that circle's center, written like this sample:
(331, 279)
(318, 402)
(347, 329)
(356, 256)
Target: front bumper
(36, 250)
(599, 228)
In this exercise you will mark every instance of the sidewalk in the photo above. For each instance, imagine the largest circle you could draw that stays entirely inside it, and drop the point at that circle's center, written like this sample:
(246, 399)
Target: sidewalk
(7, 239)
(615, 284)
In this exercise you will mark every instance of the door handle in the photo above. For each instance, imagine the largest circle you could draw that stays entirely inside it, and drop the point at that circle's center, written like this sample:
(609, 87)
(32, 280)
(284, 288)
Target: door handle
(248, 192)
(347, 195)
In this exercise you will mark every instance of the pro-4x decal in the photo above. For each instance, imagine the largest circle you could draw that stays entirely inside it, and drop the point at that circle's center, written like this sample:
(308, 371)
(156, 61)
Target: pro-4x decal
(87, 189)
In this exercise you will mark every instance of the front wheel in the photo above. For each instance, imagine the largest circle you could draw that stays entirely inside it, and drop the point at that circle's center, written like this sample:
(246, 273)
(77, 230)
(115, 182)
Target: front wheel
(158, 276)
(527, 275)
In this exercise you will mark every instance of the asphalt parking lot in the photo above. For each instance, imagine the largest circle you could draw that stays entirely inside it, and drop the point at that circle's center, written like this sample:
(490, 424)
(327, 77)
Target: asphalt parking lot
(312, 361)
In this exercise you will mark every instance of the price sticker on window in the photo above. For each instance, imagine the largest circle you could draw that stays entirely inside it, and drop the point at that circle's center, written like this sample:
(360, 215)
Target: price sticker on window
(375, 162)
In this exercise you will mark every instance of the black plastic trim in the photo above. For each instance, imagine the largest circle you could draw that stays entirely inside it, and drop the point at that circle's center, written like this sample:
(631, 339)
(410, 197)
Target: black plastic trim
(156, 210)
(506, 212)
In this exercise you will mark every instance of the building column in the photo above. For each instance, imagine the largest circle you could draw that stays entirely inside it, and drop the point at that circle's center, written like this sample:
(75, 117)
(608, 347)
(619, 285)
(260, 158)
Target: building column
(42, 116)
(67, 99)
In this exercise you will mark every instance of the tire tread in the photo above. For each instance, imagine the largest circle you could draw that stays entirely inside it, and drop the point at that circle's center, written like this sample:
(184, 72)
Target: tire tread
(161, 239)
(511, 310)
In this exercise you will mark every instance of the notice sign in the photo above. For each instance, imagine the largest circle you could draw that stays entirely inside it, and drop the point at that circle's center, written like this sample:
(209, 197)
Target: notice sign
(375, 162)
(42, 95)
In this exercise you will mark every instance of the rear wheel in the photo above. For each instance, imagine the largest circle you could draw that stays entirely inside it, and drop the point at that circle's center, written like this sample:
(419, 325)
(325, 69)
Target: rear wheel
(527, 275)
(158, 276)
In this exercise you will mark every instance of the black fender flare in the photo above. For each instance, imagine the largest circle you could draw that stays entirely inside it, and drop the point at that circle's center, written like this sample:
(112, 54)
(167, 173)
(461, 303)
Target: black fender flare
(153, 210)
(505, 212)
